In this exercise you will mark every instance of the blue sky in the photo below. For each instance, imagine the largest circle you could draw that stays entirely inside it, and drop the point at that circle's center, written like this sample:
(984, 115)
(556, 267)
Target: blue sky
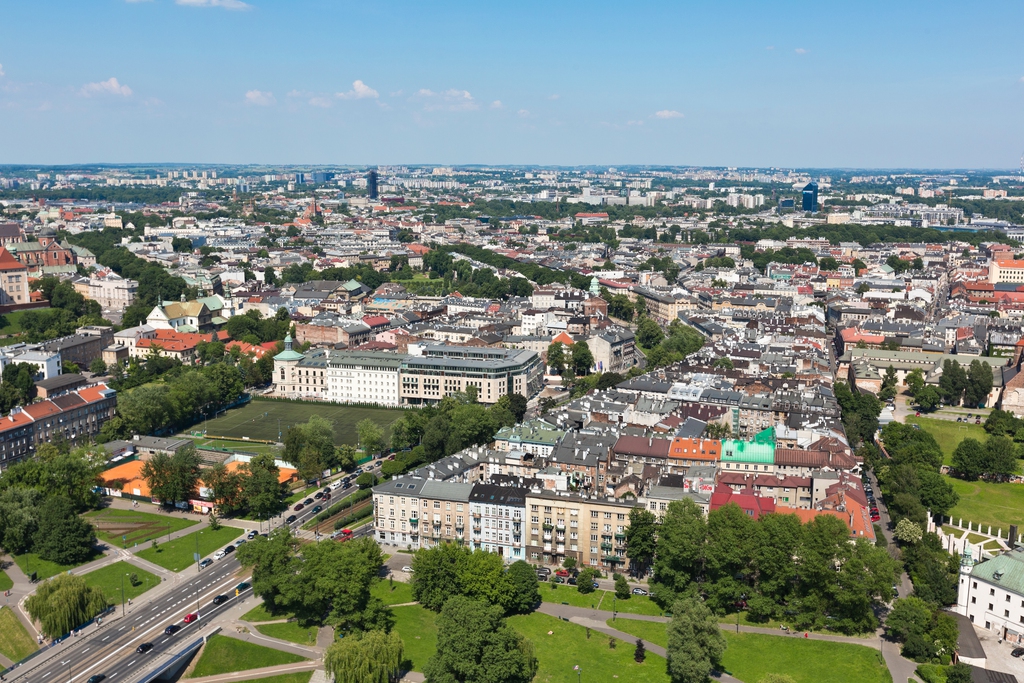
(743, 83)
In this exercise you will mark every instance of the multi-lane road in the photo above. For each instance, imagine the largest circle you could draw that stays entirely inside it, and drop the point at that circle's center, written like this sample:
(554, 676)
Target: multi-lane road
(110, 649)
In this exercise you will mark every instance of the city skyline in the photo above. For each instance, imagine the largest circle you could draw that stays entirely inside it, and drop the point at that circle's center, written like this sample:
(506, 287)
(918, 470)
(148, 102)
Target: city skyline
(790, 85)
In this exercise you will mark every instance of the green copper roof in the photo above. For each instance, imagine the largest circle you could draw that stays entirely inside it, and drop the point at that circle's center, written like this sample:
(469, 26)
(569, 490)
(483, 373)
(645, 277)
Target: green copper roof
(761, 450)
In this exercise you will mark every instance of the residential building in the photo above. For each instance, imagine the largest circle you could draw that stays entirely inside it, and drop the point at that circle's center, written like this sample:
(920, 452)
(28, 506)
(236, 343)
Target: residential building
(991, 594)
(14, 290)
(445, 370)
(589, 529)
(497, 520)
(415, 513)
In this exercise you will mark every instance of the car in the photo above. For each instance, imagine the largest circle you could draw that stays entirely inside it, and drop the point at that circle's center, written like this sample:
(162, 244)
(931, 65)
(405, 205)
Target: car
(977, 421)
(205, 563)
(318, 495)
(242, 586)
(308, 501)
(346, 485)
(562, 572)
(190, 617)
(298, 507)
(327, 491)
(336, 485)
(229, 549)
(875, 518)
(219, 555)
(557, 579)
(96, 679)
(220, 599)
(895, 591)
(327, 496)
(291, 518)
(239, 542)
(357, 471)
(407, 569)
(1016, 652)
(171, 630)
(596, 584)
(317, 508)
(252, 534)
(377, 464)
(543, 570)
(571, 581)
(144, 648)
(959, 419)
(639, 591)
(917, 427)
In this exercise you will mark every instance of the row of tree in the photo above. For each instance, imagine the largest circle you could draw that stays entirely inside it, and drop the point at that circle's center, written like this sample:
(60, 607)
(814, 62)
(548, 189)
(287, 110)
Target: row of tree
(996, 458)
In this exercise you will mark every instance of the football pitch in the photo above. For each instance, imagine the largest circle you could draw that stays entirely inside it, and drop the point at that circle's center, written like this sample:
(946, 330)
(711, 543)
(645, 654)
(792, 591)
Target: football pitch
(260, 420)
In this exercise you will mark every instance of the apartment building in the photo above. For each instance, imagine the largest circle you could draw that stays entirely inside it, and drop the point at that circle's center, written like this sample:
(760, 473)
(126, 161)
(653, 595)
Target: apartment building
(991, 594)
(363, 377)
(591, 530)
(497, 520)
(13, 280)
(445, 370)
(418, 513)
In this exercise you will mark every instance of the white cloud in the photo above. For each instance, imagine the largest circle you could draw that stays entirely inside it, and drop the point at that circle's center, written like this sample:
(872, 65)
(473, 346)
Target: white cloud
(226, 4)
(770, 47)
(2, 74)
(323, 102)
(452, 99)
(107, 87)
(554, 97)
(524, 113)
(260, 98)
(359, 91)
(667, 114)
(133, 2)
(634, 123)
(496, 104)
(800, 51)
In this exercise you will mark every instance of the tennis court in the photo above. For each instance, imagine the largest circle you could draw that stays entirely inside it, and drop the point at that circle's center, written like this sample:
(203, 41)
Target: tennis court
(262, 419)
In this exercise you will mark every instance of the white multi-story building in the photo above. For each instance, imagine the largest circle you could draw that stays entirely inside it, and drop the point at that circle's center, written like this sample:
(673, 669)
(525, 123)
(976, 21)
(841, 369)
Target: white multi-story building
(991, 594)
(363, 377)
(496, 523)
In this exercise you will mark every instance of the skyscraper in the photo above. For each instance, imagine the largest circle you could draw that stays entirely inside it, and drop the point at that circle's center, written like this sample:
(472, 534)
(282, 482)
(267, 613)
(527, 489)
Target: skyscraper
(371, 185)
(811, 197)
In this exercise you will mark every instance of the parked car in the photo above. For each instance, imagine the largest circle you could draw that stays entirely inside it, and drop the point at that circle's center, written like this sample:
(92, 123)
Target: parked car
(220, 599)
(205, 563)
(229, 549)
(242, 586)
(318, 495)
(171, 630)
(1017, 652)
(239, 542)
(557, 579)
(596, 584)
(219, 555)
(977, 421)
(291, 518)
(639, 591)
(317, 509)
(407, 569)
(144, 648)
(190, 617)
(96, 679)
(959, 419)
(308, 501)
(571, 581)
(562, 572)
(252, 534)
(917, 414)
(299, 506)
(543, 570)
(336, 485)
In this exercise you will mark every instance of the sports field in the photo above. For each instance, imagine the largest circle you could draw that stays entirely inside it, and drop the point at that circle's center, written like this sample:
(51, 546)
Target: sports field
(259, 420)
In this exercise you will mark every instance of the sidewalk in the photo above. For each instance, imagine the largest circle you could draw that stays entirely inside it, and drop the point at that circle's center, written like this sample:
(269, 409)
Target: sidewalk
(264, 672)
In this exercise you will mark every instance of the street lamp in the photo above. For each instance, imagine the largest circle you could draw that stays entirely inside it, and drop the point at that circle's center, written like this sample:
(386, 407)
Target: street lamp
(198, 568)
(579, 672)
(613, 608)
(122, 594)
(69, 669)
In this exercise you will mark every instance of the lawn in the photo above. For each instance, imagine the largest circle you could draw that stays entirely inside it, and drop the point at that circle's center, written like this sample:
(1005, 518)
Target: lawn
(554, 592)
(290, 631)
(109, 580)
(416, 626)
(224, 655)
(393, 593)
(298, 677)
(114, 524)
(985, 503)
(44, 569)
(259, 613)
(259, 419)
(230, 444)
(5, 582)
(177, 554)
(752, 656)
(15, 641)
(949, 433)
(568, 646)
(636, 604)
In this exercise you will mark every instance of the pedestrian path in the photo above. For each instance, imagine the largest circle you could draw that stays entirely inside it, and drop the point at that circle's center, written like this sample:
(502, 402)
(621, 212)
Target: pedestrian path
(264, 672)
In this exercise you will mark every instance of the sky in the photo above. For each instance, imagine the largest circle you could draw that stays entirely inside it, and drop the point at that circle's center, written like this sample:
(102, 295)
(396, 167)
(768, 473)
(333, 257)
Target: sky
(747, 83)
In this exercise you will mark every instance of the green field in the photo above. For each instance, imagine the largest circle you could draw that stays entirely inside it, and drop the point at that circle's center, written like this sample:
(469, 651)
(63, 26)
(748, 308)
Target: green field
(752, 656)
(395, 593)
(232, 444)
(298, 677)
(177, 554)
(636, 604)
(260, 613)
(949, 433)
(568, 646)
(109, 580)
(290, 631)
(417, 627)
(555, 592)
(5, 582)
(44, 569)
(223, 655)
(112, 524)
(15, 641)
(985, 503)
(259, 420)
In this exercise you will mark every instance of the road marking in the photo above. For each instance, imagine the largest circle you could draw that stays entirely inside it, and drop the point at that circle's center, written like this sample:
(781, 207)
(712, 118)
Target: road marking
(105, 639)
(47, 673)
(123, 627)
(86, 650)
(131, 662)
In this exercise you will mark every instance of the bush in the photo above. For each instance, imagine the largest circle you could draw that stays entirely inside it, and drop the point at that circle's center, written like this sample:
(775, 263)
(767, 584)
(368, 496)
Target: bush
(585, 581)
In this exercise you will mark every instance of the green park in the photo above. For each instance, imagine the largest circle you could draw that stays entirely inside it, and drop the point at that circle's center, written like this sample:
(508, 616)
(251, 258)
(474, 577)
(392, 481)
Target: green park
(179, 553)
(222, 654)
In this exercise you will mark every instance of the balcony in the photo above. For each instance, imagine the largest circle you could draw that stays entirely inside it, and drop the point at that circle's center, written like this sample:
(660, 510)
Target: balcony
(621, 536)
(614, 558)
(476, 515)
(547, 527)
(547, 538)
(560, 525)
(606, 546)
(414, 521)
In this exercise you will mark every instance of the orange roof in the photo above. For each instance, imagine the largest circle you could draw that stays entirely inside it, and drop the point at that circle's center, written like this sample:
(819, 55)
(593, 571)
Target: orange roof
(695, 449)
(563, 338)
(130, 476)
(284, 474)
(8, 262)
(1010, 263)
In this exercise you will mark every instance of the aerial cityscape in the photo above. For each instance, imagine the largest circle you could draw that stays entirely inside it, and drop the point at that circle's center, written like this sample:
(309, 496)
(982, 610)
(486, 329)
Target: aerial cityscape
(362, 344)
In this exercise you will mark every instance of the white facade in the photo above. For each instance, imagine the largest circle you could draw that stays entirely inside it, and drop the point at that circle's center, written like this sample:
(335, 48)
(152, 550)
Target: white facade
(991, 594)
(363, 378)
(496, 523)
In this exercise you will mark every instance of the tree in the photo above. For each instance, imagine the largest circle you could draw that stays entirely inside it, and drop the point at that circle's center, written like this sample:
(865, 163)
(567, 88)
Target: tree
(98, 367)
(64, 603)
(978, 385)
(371, 436)
(372, 657)
(1000, 456)
(19, 518)
(908, 616)
(556, 357)
(518, 405)
(828, 263)
(475, 644)
(63, 537)
(695, 643)
(261, 489)
(640, 652)
(525, 589)
(914, 381)
(585, 580)
(969, 459)
(863, 288)
(649, 333)
(952, 382)
(366, 480)
(959, 673)
(726, 555)
(641, 540)
(724, 362)
(582, 358)
(621, 587)
(680, 558)
(437, 574)
(928, 398)
(908, 532)
(313, 440)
